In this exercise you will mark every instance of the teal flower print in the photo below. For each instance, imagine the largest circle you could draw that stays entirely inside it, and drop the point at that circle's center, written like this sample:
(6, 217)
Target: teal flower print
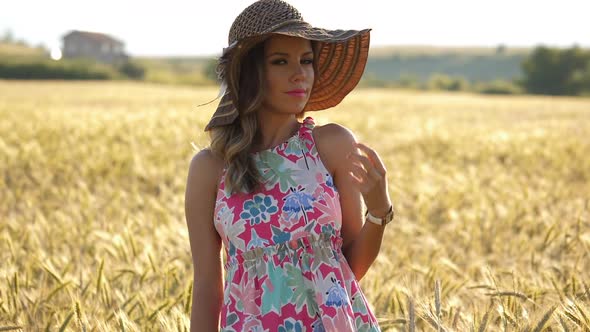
(275, 292)
(302, 293)
(358, 305)
(364, 327)
(328, 229)
(255, 240)
(232, 249)
(295, 147)
(279, 236)
(259, 209)
(290, 325)
(275, 168)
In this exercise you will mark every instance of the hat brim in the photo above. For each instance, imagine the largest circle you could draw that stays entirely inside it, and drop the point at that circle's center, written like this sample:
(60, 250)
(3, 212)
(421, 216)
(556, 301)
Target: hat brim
(341, 56)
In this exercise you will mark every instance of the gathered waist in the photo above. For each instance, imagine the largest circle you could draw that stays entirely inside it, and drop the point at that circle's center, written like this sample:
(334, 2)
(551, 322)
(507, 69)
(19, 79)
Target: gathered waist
(309, 243)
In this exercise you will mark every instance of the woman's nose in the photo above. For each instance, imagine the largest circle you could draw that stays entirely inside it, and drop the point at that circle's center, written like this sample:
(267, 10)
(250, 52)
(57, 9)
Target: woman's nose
(299, 72)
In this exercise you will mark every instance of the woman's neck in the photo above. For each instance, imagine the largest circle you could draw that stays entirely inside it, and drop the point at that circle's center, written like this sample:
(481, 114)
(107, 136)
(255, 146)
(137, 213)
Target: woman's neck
(274, 129)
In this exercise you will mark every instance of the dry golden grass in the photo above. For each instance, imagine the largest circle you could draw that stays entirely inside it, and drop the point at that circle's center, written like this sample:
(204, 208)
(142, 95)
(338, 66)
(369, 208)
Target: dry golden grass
(492, 197)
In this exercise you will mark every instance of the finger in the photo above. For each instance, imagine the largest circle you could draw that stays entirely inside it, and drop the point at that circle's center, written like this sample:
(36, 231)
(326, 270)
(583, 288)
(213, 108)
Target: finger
(364, 160)
(372, 174)
(363, 177)
(372, 154)
(357, 181)
(365, 182)
(375, 175)
(362, 186)
(369, 167)
(360, 172)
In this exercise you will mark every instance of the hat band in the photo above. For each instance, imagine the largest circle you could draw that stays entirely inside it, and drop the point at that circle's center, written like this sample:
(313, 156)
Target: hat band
(284, 23)
(267, 30)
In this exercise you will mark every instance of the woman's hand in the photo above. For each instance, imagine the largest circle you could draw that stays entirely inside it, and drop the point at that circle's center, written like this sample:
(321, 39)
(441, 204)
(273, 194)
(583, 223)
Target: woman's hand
(369, 174)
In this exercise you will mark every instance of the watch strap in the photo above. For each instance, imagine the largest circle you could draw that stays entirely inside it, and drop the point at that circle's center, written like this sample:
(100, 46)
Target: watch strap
(380, 221)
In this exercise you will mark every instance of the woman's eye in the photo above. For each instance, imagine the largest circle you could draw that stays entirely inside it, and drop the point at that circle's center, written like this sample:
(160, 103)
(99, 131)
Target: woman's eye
(279, 62)
(283, 61)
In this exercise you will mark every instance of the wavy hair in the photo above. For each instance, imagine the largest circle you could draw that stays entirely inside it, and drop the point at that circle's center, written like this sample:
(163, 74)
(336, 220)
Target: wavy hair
(233, 142)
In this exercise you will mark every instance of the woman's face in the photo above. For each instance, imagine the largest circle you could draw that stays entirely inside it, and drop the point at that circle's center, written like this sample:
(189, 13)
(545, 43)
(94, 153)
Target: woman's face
(289, 75)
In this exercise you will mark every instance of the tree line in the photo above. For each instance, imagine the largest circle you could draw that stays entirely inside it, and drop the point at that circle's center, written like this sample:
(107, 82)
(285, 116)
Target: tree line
(552, 71)
(545, 70)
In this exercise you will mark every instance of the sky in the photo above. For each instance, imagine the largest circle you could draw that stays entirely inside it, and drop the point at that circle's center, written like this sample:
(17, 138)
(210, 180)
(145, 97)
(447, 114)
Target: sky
(197, 27)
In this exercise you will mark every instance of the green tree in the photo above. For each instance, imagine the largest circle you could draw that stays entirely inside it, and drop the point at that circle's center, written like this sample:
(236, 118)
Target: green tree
(445, 82)
(551, 71)
(580, 80)
(498, 87)
(132, 70)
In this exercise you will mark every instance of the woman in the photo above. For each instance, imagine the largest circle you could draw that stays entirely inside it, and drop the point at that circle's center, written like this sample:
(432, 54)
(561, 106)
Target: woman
(284, 196)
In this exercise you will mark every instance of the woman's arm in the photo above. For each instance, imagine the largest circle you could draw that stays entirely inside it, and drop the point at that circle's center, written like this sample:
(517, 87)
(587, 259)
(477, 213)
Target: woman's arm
(368, 174)
(361, 240)
(201, 189)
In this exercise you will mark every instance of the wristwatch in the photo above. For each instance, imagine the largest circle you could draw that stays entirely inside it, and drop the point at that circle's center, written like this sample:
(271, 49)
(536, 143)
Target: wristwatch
(383, 220)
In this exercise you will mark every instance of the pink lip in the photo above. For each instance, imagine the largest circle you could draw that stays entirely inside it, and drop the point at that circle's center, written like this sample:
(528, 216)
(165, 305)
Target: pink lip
(297, 93)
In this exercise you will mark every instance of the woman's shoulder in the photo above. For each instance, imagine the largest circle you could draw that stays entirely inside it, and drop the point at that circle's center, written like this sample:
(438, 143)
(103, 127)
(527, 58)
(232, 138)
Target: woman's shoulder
(333, 142)
(203, 165)
(207, 158)
(334, 132)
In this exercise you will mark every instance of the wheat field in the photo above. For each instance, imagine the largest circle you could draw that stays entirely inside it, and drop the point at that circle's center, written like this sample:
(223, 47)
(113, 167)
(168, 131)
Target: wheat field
(492, 195)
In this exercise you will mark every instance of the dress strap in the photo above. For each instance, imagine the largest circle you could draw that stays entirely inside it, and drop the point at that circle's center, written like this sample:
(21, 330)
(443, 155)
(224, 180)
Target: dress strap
(308, 122)
(306, 135)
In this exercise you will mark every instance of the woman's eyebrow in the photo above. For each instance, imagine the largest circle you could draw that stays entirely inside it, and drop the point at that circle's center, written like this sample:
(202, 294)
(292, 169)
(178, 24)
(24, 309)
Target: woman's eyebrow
(286, 54)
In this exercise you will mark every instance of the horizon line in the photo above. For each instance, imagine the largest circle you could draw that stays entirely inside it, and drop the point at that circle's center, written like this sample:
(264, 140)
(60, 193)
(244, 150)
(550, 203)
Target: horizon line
(508, 47)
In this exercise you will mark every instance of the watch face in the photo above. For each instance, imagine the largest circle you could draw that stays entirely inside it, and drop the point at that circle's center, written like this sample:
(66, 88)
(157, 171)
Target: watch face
(389, 217)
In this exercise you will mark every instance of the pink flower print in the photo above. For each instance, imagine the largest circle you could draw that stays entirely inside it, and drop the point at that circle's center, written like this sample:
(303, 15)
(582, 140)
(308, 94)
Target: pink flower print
(318, 177)
(224, 223)
(318, 192)
(330, 211)
(348, 275)
(249, 296)
(246, 295)
(339, 323)
(288, 219)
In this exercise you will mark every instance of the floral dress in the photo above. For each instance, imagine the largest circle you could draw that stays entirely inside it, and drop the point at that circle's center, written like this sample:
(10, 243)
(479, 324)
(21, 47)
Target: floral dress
(285, 270)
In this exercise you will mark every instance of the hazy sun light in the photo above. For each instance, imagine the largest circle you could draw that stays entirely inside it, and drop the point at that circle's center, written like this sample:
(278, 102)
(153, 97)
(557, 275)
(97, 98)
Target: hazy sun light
(55, 53)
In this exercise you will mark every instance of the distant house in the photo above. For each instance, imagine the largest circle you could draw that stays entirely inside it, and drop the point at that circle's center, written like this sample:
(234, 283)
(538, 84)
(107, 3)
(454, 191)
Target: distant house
(93, 45)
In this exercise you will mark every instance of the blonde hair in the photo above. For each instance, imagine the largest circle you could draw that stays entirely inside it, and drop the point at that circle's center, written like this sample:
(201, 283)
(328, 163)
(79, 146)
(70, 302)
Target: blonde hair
(233, 142)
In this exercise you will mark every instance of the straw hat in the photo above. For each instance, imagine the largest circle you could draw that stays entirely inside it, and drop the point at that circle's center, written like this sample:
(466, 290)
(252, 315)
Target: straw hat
(340, 57)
